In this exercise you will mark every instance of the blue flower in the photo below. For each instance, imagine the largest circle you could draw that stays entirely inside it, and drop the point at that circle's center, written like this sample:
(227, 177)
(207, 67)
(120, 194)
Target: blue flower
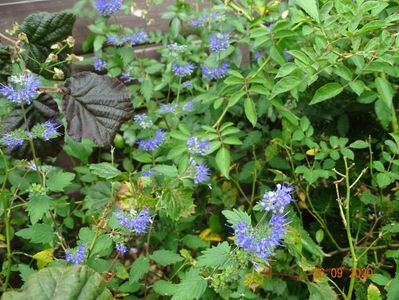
(99, 64)
(50, 130)
(143, 120)
(121, 248)
(188, 106)
(243, 238)
(108, 7)
(112, 40)
(153, 143)
(148, 173)
(32, 166)
(76, 258)
(175, 47)
(138, 222)
(201, 172)
(199, 22)
(135, 39)
(196, 146)
(21, 89)
(219, 42)
(183, 70)
(125, 77)
(12, 142)
(215, 73)
(276, 200)
(167, 108)
(187, 84)
(287, 55)
(257, 55)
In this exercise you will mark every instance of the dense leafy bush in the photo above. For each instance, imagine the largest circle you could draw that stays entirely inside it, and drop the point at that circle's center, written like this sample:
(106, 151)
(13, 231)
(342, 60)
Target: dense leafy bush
(254, 158)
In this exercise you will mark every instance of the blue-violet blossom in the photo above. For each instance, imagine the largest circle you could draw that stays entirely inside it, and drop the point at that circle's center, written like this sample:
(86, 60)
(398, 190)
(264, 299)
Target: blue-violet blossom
(121, 248)
(21, 89)
(133, 220)
(276, 200)
(153, 143)
(215, 73)
(183, 70)
(143, 120)
(197, 146)
(99, 64)
(78, 257)
(108, 7)
(219, 42)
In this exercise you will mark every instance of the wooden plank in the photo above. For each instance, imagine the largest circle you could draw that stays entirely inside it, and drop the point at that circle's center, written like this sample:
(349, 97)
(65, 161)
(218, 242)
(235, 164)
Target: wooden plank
(16, 11)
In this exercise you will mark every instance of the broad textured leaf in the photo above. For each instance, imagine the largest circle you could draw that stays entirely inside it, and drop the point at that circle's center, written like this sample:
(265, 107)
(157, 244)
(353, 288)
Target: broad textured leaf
(321, 291)
(165, 257)
(44, 29)
(139, 268)
(95, 106)
(177, 202)
(393, 289)
(41, 110)
(73, 282)
(214, 257)
(191, 287)
(325, 92)
(310, 6)
(164, 288)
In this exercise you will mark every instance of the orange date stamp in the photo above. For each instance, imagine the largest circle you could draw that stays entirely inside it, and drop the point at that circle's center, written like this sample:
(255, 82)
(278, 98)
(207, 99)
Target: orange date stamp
(339, 272)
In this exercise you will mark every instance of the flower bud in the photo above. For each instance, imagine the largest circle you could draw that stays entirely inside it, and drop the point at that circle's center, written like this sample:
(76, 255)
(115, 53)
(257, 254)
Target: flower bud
(22, 37)
(70, 41)
(51, 58)
(58, 74)
(74, 58)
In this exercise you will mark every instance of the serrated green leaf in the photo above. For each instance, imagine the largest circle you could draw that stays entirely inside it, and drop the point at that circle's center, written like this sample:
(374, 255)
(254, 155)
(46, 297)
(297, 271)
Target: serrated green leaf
(164, 288)
(359, 144)
(236, 216)
(165, 257)
(38, 233)
(139, 268)
(38, 206)
(191, 287)
(104, 170)
(325, 92)
(310, 6)
(214, 257)
(58, 180)
(73, 282)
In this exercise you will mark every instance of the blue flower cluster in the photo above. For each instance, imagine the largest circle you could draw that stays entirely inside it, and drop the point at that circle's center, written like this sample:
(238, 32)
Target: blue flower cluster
(137, 38)
(108, 7)
(201, 172)
(153, 143)
(78, 257)
(50, 130)
(143, 120)
(167, 108)
(188, 106)
(183, 70)
(11, 142)
(215, 73)
(99, 64)
(125, 77)
(219, 42)
(21, 89)
(203, 20)
(275, 201)
(121, 248)
(196, 146)
(112, 40)
(148, 172)
(137, 221)
(187, 84)
(254, 240)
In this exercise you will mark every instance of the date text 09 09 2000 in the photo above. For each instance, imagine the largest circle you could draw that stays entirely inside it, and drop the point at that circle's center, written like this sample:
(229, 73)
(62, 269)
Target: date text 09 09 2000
(339, 272)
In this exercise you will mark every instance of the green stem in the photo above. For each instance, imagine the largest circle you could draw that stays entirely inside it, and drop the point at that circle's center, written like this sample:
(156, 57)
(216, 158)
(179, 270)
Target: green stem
(348, 229)
(394, 122)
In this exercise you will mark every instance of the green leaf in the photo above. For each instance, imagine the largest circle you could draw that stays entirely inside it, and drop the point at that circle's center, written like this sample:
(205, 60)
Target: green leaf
(37, 207)
(177, 202)
(310, 6)
(44, 29)
(147, 88)
(214, 257)
(165, 257)
(38, 233)
(383, 113)
(57, 180)
(385, 91)
(73, 282)
(359, 144)
(285, 84)
(235, 97)
(191, 287)
(80, 150)
(383, 180)
(357, 86)
(164, 288)
(325, 92)
(250, 111)
(236, 216)
(105, 170)
(103, 243)
(321, 291)
(223, 161)
(169, 171)
(139, 268)
(373, 293)
(393, 289)
(95, 107)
